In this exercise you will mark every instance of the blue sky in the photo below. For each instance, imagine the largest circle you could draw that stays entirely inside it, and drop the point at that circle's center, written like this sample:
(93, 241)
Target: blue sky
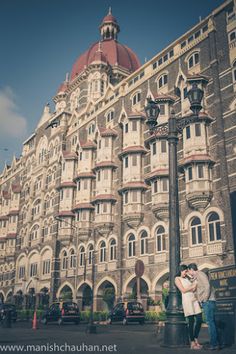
(41, 39)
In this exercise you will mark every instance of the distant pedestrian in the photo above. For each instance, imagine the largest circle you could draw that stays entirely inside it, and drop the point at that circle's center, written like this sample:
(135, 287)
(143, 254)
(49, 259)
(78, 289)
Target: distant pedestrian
(192, 310)
(206, 297)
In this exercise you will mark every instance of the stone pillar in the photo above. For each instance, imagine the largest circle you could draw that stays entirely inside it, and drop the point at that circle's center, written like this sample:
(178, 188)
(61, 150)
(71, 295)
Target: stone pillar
(79, 301)
(96, 303)
(38, 300)
(219, 150)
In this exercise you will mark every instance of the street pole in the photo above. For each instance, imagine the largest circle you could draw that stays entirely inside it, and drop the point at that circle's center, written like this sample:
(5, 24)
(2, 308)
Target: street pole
(138, 289)
(91, 326)
(77, 262)
(175, 333)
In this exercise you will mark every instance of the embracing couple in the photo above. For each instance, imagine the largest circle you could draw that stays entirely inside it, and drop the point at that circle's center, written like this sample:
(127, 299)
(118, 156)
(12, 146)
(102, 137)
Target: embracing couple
(197, 295)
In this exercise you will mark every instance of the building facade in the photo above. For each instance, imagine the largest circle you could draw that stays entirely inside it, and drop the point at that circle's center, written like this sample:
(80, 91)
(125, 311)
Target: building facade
(92, 182)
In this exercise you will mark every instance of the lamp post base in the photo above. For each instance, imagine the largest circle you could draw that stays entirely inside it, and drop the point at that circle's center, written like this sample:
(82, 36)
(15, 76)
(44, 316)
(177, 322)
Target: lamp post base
(175, 331)
(91, 328)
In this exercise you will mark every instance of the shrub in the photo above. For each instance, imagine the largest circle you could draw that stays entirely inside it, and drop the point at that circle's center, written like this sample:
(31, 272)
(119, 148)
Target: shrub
(109, 297)
(153, 316)
(85, 316)
(27, 315)
(100, 315)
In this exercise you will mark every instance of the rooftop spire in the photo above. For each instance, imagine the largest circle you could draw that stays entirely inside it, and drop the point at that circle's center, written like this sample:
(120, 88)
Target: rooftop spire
(109, 27)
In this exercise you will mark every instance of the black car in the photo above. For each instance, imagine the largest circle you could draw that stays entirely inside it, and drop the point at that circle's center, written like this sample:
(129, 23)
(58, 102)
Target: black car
(4, 308)
(60, 312)
(126, 312)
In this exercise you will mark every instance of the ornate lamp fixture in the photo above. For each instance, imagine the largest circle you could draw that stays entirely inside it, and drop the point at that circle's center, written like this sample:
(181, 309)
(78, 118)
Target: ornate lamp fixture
(152, 111)
(195, 96)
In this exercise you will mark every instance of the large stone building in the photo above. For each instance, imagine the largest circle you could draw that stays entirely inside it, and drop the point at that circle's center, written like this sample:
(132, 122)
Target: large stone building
(93, 164)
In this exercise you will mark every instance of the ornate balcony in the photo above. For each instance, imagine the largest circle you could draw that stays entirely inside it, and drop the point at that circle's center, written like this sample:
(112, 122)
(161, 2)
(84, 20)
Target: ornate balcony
(133, 214)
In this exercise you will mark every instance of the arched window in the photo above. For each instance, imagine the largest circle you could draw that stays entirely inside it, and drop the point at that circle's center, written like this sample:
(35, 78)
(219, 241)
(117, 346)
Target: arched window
(136, 98)
(103, 86)
(144, 243)
(196, 231)
(42, 155)
(34, 233)
(82, 256)
(47, 203)
(234, 71)
(36, 207)
(214, 227)
(162, 81)
(131, 246)
(45, 229)
(56, 147)
(90, 254)
(72, 259)
(64, 260)
(91, 128)
(24, 214)
(51, 151)
(54, 172)
(112, 249)
(160, 239)
(110, 116)
(49, 177)
(102, 253)
(193, 60)
(232, 36)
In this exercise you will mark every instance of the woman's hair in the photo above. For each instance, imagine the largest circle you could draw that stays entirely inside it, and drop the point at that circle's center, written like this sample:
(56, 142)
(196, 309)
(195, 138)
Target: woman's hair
(182, 267)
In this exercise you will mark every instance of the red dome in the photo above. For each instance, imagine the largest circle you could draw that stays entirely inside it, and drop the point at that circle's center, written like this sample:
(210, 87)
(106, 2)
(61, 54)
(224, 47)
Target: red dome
(114, 52)
(109, 18)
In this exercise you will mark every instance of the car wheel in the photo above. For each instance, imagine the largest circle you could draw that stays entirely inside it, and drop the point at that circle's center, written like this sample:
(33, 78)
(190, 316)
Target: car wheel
(44, 321)
(60, 321)
(109, 321)
(125, 322)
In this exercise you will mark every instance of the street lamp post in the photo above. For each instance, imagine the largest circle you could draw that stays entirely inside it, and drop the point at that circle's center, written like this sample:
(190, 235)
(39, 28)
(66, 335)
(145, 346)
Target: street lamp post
(175, 332)
(91, 326)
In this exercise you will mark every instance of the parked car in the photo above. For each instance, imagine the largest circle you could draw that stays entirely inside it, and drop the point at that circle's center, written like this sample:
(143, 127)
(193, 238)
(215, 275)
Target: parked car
(60, 312)
(8, 307)
(126, 312)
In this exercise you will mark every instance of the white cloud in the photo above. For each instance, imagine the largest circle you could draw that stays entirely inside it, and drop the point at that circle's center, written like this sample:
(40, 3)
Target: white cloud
(12, 123)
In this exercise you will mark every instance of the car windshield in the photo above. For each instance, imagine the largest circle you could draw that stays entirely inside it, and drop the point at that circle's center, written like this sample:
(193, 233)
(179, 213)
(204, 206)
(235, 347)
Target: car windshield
(134, 306)
(70, 306)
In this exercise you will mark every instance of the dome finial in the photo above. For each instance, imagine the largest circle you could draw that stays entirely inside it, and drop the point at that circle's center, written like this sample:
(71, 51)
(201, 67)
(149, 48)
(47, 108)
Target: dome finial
(109, 28)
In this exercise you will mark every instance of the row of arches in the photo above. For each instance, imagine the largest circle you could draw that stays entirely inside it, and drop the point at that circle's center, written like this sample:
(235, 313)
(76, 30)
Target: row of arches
(5, 297)
(149, 288)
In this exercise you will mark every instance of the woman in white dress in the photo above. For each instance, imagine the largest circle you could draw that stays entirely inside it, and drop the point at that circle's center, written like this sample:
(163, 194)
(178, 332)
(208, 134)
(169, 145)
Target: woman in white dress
(191, 307)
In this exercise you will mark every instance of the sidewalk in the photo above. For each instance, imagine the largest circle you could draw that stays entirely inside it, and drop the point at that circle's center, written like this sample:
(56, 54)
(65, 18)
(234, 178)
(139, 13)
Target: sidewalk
(131, 339)
(203, 339)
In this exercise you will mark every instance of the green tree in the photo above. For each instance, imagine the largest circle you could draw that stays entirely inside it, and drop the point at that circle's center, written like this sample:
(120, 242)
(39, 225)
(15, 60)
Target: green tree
(109, 297)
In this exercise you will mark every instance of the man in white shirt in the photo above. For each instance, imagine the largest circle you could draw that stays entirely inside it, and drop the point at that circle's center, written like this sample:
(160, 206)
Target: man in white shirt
(206, 297)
